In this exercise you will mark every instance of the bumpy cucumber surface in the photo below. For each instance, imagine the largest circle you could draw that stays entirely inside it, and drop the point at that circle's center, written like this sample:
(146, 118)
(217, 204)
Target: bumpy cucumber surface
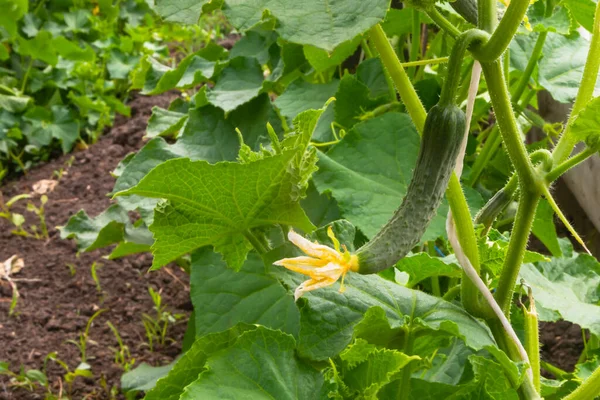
(440, 144)
(466, 8)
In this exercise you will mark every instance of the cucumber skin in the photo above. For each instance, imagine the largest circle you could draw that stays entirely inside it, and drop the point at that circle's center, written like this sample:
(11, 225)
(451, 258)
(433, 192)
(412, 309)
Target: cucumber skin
(467, 9)
(440, 145)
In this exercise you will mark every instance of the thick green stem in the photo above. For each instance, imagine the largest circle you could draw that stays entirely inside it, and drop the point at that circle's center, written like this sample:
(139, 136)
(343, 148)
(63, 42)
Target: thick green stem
(255, 242)
(442, 22)
(589, 389)
(405, 88)
(570, 163)
(531, 64)
(532, 340)
(507, 123)
(503, 34)
(487, 15)
(404, 389)
(567, 142)
(516, 249)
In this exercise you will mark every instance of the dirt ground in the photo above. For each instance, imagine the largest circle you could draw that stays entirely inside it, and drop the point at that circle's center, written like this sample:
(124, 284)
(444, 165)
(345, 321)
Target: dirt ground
(54, 306)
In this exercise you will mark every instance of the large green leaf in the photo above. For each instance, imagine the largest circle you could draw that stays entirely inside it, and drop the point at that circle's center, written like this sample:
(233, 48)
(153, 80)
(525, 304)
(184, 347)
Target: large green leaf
(40, 48)
(14, 104)
(561, 75)
(58, 123)
(567, 287)
(302, 95)
(192, 363)
(239, 82)
(260, 365)
(559, 21)
(218, 205)
(582, 11)
(12, 12)
(422, 266)
(369, 171)
(353, 99)
(94, 233)
(186, 11)
(321, 59)
(321, 23)
(223, 298)
(164, 122)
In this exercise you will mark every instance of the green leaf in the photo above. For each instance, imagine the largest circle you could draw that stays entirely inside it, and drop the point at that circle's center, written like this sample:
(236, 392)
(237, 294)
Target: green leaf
(12, 12)
(561, 75)
(94, 233)
(371, 73)
(144, 377)
(217, 205)
(586, 127)
(39, 48)
(582, 11)
(321, 59)
(369, 171)
(569, 286)
(164, 122)
(59, 122)
(544, 229)
(558, 22)
(184, 11)
(239, 82)
(301, 96)
(321, 209)
(320, 23)
(260, 365)
(255, 43)
(223, 298)
(493, 249)
(353, 100)
(422, 266)
(191, 71)
(193, 362)
(398, 22)
(71, 51)
(328, 318)
(365, 372)
(119, 65)
(14, 104)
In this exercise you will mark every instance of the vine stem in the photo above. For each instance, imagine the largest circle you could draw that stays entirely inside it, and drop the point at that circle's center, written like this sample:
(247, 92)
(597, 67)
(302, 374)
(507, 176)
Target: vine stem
(442, 22)
(578, 158)
(503, 34)
(399, 77)
(415, 40)
(588, 389)
(528, 203)
(255, 242)
(507, 123)
(531, 64)
(566, 143)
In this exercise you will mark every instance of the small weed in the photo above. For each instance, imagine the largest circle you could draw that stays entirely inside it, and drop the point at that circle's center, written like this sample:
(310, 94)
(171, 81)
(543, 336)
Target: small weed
(156, 326)
(16, 219)
(84, 337)
(39, 211)
(94, 270)
(72, 269)
(122, 354)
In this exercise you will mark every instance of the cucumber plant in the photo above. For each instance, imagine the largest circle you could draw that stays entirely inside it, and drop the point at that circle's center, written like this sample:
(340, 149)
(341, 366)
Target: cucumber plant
(330, 142)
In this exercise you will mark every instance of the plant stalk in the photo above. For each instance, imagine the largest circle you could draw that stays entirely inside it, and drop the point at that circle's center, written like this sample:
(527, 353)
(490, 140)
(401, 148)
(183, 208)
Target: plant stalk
(516, 248)
(589, 389)
(442, 22)
(566, 143)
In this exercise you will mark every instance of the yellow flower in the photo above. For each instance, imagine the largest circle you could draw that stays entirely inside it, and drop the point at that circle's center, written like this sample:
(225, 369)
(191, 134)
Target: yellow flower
(322, 264)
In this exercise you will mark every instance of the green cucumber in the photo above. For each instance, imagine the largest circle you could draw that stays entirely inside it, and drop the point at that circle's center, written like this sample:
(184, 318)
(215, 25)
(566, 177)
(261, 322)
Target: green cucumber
(467, 9)
(440, 145)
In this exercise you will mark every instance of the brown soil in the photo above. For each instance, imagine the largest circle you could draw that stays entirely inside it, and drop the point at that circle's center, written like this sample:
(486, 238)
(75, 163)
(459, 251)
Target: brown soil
(54, 306)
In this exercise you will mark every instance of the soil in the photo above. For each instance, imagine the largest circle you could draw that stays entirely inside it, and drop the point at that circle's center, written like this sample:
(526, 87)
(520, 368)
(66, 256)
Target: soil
(54, 306)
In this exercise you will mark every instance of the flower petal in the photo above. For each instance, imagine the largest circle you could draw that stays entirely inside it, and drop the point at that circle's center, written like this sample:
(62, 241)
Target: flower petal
(312, 249)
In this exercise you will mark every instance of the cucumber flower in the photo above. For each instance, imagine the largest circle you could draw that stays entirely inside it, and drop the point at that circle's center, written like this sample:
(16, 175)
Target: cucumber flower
(322, 264)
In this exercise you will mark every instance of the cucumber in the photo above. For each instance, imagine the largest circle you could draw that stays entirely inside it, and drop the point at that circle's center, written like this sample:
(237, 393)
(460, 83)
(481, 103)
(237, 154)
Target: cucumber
(467, 9)
(442, 137)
